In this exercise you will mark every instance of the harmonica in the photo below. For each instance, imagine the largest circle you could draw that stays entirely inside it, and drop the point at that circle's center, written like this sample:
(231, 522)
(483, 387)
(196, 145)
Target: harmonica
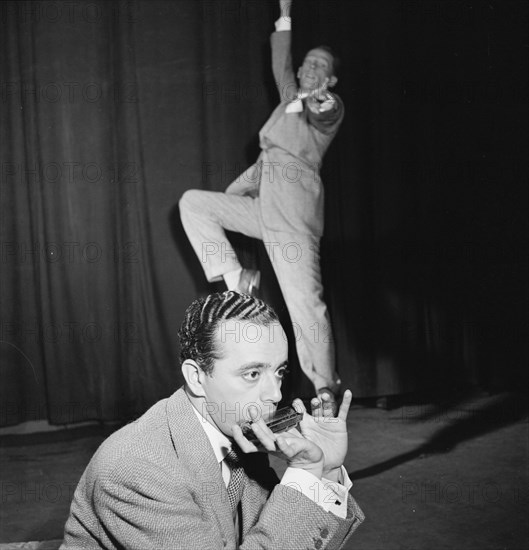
(283, 420)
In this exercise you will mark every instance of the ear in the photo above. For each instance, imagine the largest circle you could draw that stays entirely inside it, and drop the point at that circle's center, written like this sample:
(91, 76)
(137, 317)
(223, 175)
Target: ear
(332, 82)
(194, 376)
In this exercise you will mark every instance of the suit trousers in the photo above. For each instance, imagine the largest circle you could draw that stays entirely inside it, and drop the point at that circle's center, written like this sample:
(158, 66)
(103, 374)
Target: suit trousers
(295, 259)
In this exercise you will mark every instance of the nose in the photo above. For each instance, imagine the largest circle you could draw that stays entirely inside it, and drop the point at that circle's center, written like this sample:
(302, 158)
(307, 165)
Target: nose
(271, 388)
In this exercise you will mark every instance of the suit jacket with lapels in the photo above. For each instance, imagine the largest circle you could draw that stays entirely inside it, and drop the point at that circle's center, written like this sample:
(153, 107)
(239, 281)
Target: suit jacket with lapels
(156, 484)
(293, 144)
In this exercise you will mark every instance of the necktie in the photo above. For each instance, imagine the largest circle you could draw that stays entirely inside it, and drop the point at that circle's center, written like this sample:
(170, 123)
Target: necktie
(233, 460)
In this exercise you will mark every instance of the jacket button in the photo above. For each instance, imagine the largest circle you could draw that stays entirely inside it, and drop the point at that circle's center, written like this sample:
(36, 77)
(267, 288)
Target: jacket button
(324, 533)
(318, 544)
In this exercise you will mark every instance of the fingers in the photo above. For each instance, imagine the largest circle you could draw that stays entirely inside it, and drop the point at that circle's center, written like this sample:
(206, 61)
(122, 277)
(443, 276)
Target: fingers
(295, 444)
(346, 403)
(328, 405)
(316, 407)
(293, 432)
(284, 445)
(323, 407)
(266, 439)
(265, 436)
(299, 406)
(300, 451)
(284, 6)
(245, 445)
(317, 92)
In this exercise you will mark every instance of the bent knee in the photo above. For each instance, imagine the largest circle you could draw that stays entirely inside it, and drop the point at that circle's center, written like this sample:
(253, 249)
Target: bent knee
(190, 200)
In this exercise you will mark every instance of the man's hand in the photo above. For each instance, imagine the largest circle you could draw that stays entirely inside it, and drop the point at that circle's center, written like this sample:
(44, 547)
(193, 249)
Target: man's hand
(326, 431)
(297, 450)
(285, 6)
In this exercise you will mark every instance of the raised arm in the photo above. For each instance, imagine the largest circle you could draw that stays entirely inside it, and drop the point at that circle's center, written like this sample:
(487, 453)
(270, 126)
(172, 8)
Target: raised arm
(281, 55)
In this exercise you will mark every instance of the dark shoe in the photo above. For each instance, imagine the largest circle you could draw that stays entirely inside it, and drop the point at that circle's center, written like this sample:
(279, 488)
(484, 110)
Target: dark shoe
(383, 403)
(388, 402)
(249, 282)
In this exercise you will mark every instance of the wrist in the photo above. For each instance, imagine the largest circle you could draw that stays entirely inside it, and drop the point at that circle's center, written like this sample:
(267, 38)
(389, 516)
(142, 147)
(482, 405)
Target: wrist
(316, 468)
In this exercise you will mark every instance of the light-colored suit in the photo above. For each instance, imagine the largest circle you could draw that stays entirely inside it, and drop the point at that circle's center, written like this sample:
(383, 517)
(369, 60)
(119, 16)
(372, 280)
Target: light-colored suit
(293, 145)
(156, 484)
(279, 200)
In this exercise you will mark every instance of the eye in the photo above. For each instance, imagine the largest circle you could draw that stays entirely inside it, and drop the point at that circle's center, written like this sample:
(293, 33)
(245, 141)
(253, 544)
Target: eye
(282, 372)
(252, 374)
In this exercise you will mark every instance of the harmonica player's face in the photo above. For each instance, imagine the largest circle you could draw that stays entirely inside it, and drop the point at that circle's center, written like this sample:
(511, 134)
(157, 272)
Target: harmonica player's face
(249, 372)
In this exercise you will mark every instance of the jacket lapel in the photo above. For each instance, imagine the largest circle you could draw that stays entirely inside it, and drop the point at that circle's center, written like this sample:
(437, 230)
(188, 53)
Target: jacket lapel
(193, 448)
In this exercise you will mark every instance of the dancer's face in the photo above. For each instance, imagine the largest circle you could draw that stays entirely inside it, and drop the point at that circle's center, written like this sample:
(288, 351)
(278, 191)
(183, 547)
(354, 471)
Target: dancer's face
(249, 373)
(317, 70)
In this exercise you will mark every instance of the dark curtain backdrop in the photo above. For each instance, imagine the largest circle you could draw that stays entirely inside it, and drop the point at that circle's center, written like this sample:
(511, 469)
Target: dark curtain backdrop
(110, 110)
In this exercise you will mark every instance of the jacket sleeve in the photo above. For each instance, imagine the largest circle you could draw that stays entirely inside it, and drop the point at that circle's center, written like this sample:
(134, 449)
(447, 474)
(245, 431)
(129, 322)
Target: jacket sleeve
(282, 65)
(291, 520)
(136, 509)
(327, 122)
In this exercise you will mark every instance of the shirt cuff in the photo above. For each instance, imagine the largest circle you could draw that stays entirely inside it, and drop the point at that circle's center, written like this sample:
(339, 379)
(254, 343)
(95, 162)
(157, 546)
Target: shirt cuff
(330, 495)
(284, 24)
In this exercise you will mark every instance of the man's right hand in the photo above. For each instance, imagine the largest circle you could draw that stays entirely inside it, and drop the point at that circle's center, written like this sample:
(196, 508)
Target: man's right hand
(298, 451)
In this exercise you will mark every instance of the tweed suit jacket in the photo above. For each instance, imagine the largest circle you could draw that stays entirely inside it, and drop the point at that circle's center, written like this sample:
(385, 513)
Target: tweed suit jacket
(156, 484)
(286, 175)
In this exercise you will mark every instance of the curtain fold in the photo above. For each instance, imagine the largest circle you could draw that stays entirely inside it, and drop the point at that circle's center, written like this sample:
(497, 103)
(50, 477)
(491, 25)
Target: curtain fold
(100, 337)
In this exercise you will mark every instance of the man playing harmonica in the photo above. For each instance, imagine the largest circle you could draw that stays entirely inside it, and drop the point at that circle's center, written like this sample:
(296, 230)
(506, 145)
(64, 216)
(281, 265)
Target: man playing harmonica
(184, 475)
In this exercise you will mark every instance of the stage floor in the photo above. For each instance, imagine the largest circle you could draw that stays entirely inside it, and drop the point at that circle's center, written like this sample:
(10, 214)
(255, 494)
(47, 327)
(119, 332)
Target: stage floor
(446, 476)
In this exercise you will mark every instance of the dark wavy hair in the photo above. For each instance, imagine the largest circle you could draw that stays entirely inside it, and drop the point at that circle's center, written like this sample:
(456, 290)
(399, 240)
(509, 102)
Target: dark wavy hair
(198, 340)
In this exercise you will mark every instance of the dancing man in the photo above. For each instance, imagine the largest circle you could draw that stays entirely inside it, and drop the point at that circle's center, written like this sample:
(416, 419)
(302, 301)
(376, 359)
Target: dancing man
(279, 200)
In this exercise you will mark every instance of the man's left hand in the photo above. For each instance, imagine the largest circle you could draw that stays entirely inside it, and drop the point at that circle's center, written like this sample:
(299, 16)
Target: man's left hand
(325, 430)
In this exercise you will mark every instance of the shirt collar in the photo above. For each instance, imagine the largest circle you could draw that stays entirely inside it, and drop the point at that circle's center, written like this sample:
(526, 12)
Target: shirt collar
(221, 443)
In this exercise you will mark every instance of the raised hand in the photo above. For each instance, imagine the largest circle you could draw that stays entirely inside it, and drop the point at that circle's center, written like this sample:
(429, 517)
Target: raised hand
(321, 92)
(329, 433)
(285, 7)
